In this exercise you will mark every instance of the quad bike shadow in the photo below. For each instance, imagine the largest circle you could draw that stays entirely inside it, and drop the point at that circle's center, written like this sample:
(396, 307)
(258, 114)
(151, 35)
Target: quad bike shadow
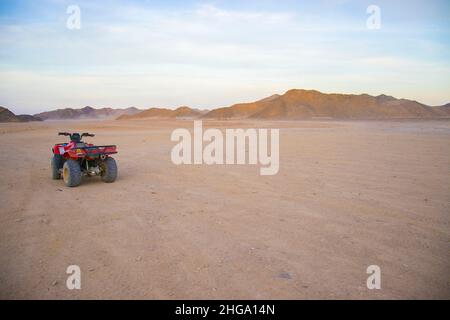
(75, 159)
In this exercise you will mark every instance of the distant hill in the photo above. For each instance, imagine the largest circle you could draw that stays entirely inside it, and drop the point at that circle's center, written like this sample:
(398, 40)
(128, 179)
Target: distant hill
(161, 113)
(85, 113)
(8, 116)
(310, 104)
(28, 118)
(295, 104)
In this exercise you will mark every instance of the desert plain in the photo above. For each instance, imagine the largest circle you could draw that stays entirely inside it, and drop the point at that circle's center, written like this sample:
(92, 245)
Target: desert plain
(348, 194)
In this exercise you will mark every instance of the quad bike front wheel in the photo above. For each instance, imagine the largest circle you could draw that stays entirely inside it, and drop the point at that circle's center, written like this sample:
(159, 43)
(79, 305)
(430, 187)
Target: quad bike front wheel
(109, 170)
(56, 164)
(71, 173)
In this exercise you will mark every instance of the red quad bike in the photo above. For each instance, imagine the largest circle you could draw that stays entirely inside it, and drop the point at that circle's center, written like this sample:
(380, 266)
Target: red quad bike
(76, 159)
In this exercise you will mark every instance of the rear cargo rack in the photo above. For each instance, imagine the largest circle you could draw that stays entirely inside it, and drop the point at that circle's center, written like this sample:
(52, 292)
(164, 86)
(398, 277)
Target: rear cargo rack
(96, 150)
(95, 147)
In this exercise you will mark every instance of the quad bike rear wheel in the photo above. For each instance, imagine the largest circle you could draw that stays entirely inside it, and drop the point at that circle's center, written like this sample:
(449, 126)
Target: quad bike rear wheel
(56, 163)
(71, 173)
(109, 170)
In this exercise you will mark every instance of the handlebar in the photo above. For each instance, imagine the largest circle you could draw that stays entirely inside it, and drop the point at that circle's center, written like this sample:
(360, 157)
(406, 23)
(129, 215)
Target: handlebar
(85, 134)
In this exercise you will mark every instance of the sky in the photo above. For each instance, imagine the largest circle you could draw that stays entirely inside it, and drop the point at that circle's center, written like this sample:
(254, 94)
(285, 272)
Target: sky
(209, 54)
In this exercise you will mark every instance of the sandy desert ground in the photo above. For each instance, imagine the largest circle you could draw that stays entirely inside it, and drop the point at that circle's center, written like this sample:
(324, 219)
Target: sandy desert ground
(348, 195)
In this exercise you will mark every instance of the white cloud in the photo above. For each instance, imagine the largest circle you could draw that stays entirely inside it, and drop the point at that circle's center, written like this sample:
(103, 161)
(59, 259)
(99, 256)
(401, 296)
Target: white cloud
(213, 12)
